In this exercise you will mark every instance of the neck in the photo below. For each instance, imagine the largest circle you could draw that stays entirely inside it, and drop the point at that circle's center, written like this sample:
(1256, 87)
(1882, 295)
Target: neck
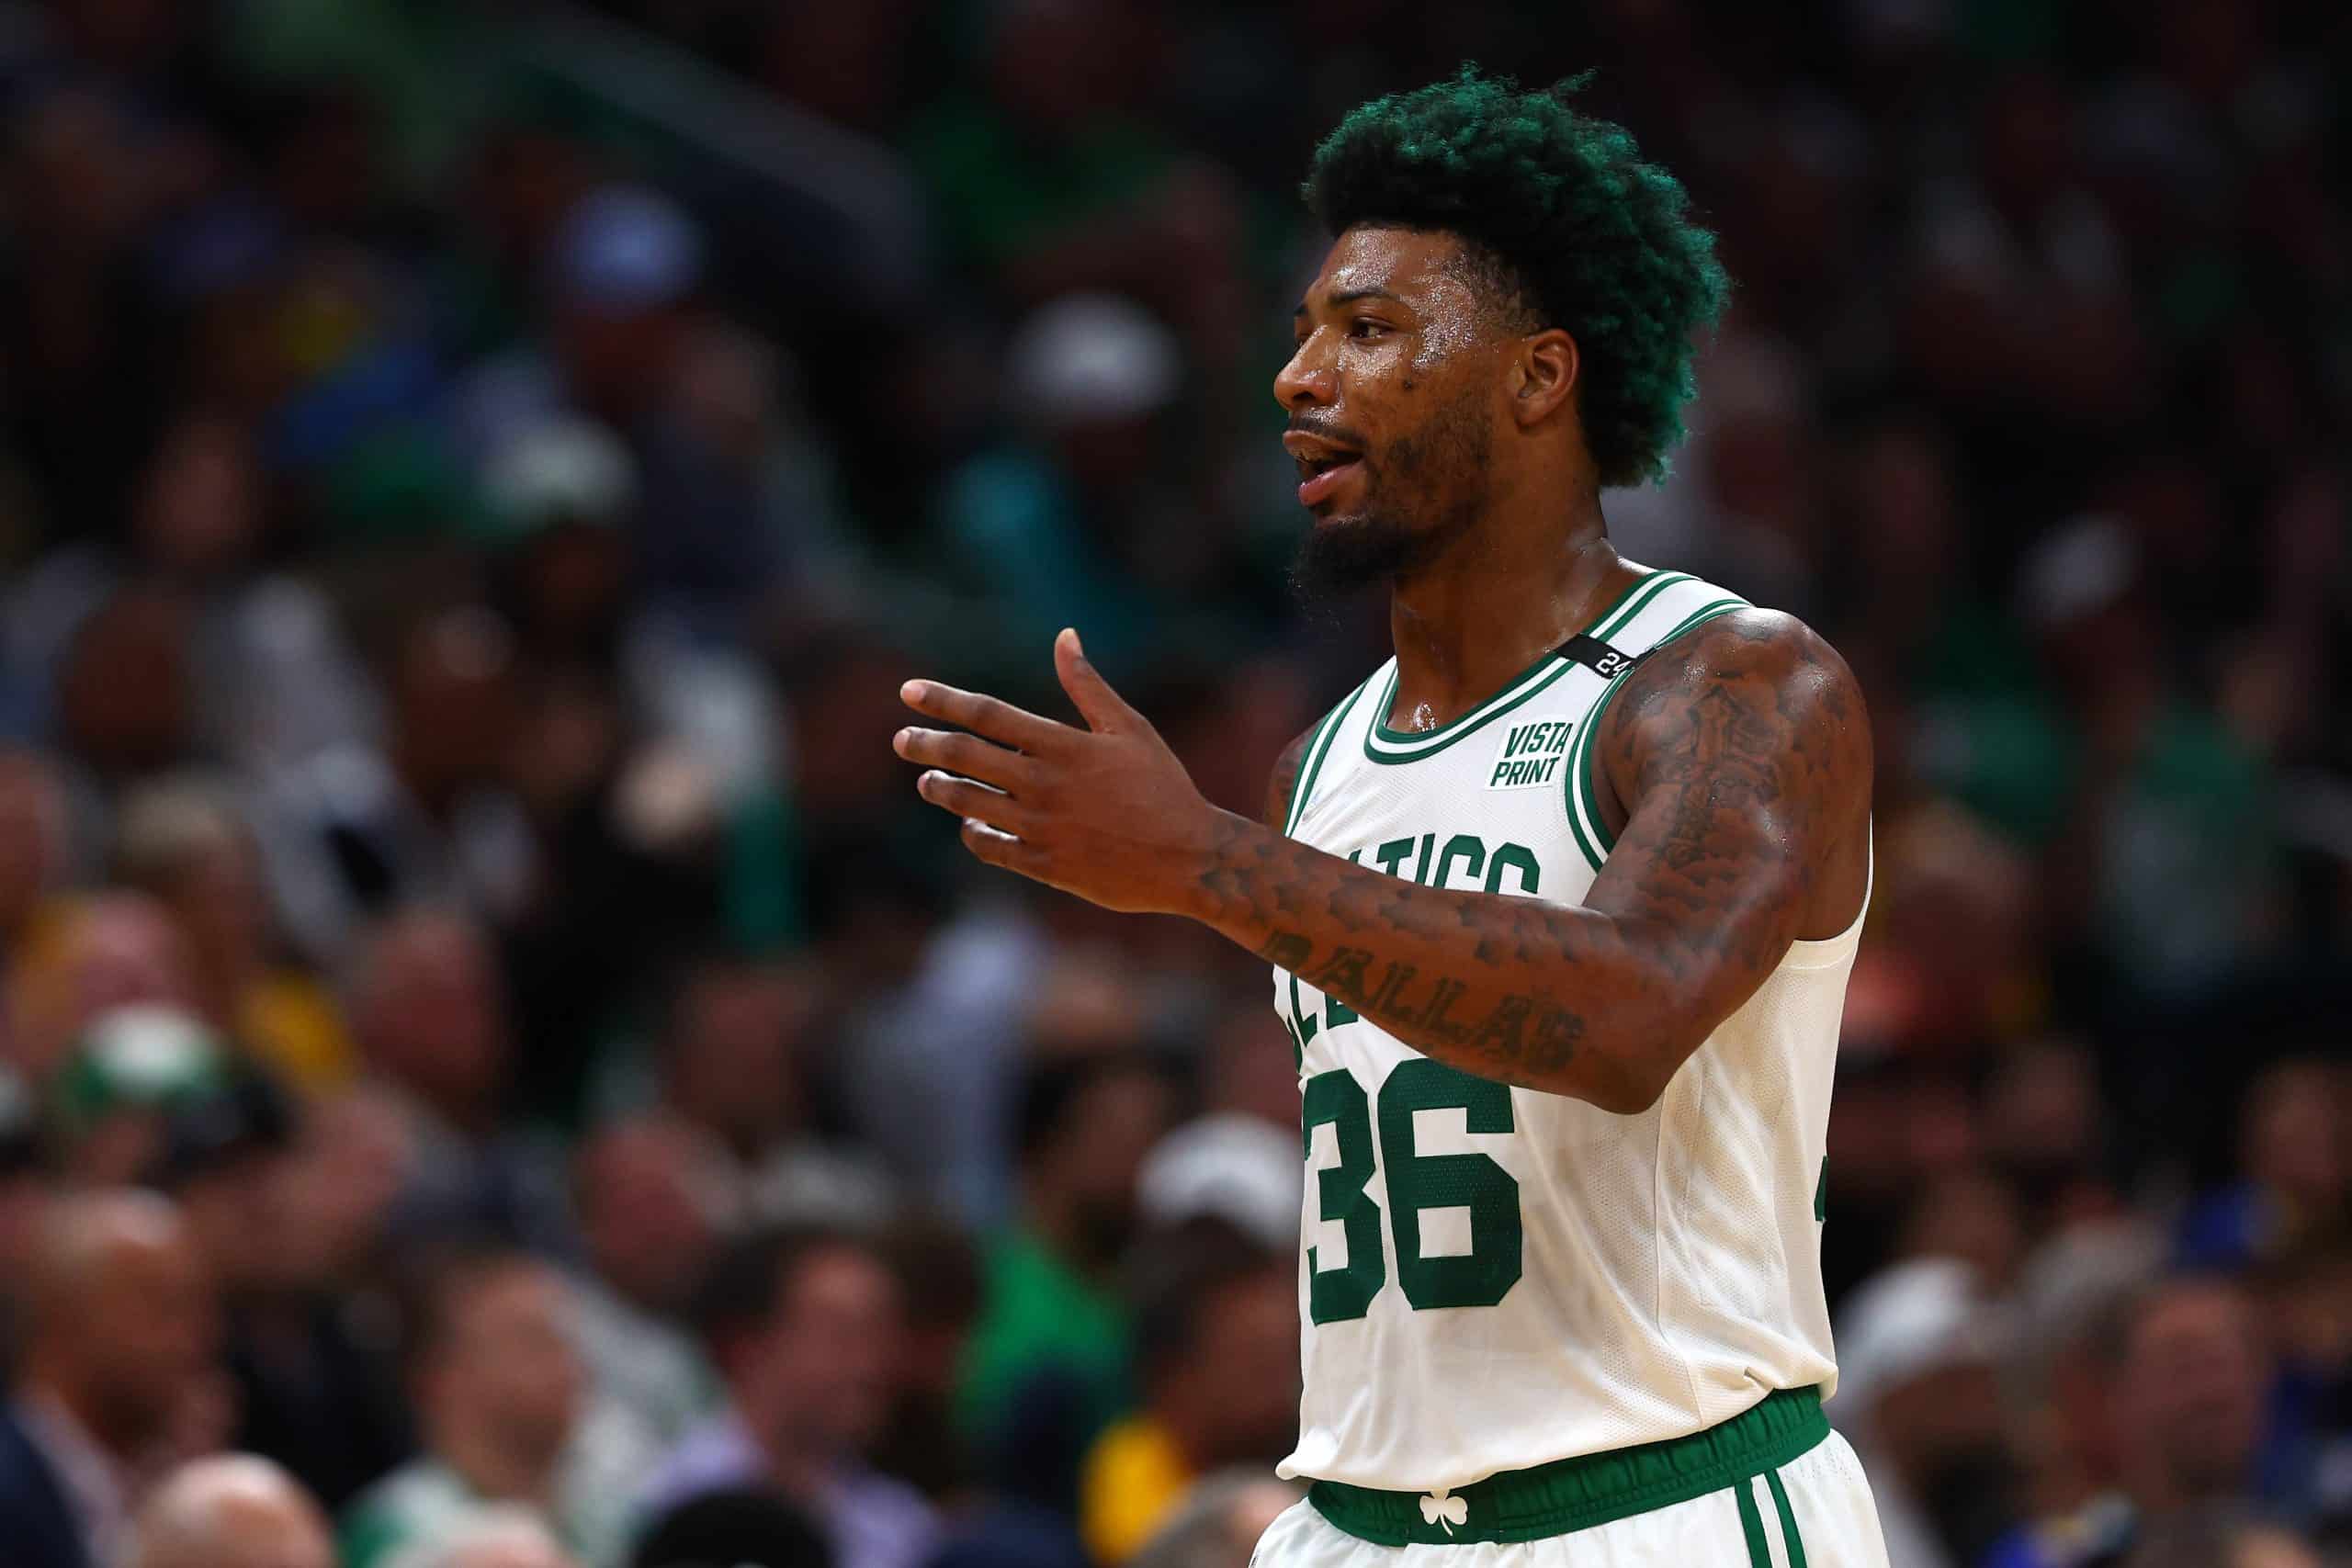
(1490, 606)
(492, 1471)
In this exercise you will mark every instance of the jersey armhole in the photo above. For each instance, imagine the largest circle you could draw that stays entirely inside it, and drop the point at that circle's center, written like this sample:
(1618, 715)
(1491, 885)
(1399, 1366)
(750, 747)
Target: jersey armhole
(1318, 748)
(1593, 834)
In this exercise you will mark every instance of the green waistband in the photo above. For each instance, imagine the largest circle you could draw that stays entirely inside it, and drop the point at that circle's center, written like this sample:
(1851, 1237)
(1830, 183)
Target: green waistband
(1591, 1489)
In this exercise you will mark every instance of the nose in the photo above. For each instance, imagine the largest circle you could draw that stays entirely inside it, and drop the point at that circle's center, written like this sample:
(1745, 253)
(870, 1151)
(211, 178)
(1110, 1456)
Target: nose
(1308, 381)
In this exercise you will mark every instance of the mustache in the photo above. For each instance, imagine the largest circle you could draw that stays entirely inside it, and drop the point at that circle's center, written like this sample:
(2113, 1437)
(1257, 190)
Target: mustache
(1324, 430)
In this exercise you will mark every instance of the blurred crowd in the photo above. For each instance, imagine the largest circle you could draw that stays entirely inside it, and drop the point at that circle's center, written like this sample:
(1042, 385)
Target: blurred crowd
(498, 1070)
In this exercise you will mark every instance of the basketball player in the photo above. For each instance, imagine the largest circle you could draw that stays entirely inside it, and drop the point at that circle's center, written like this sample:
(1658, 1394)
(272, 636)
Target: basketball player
(1561, 900)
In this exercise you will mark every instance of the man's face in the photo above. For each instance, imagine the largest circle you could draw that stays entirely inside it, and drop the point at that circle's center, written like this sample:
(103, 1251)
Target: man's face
(2191, 1391)
(433, 1017)
(650, 1197)
(734, 1064)
(1100, 1151)
(150, 1327)
(510, 1363)
(1393, 394)
(827, 1363)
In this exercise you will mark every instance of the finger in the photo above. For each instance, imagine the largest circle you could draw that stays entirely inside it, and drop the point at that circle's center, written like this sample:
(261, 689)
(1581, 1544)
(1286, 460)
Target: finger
(965, 799)
(966, 754)
(1105, 711)
(998, 847)
(982, 715)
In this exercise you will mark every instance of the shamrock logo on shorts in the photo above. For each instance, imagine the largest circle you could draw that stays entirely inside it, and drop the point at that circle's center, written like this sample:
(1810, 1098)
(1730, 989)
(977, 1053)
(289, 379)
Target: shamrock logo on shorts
(1440, 1508)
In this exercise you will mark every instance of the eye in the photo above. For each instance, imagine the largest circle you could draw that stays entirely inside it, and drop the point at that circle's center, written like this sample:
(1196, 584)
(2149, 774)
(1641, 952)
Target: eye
(1366, 327)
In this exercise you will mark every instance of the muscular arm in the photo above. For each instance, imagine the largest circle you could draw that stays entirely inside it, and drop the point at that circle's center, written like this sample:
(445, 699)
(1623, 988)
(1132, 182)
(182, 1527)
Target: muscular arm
(1741, 756)
(1744, 758)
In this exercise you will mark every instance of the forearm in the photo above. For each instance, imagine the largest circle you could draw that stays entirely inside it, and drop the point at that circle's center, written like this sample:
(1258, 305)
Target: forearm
(1743, 765)
(1545, 995)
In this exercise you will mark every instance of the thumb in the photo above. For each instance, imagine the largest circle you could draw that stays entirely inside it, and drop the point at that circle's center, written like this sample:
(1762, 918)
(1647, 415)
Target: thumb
(1105, 710)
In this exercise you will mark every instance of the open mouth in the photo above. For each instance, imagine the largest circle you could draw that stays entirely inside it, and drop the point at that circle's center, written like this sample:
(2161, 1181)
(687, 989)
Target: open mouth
(1322, 468)
(1323, 478)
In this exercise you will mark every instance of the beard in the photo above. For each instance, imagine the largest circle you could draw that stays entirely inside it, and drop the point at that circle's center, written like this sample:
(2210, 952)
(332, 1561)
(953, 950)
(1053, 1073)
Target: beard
(1336, 560)
(1420, 497)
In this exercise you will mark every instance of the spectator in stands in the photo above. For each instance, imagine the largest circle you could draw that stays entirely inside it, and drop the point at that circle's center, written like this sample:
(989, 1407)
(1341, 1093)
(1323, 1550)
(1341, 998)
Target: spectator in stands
(2159, 783)
(2292, 1173)
(499, 1395)
(736, 1059)
(314, 1391)
(1060, 525)
(653, 1198)
(427, 1008)
(113, 1381)
(107, 951)
(1919, 1397)
(130, 1070)
(2184, 1387)
(646, 468)
(1216, 1336)
(1234, 1161)
(427, 818)
(230, 1511)
(1048, 1368)
(2222, 1541)
(2190, 1391)
(804, 1327)
(1218, 1521)
(180, 840)
(938, 1270)
(124, 699)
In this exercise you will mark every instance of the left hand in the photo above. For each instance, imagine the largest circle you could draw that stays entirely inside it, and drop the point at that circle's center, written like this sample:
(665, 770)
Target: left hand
(1105, 812)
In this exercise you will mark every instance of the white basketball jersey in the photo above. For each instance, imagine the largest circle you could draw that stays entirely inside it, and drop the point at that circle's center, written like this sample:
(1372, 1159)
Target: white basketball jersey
(1492, 1278)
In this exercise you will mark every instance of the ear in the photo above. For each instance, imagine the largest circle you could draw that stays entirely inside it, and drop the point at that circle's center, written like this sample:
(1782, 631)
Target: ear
(1543, 376)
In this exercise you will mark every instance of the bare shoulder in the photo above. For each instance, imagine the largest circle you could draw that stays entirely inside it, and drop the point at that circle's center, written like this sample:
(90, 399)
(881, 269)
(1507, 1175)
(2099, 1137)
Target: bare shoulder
(1741, 658)
(1749, 728)
(1285, 779)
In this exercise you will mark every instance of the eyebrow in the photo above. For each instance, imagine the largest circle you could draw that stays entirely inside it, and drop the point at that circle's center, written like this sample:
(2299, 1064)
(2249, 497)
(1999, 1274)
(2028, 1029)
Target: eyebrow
(1333, 301)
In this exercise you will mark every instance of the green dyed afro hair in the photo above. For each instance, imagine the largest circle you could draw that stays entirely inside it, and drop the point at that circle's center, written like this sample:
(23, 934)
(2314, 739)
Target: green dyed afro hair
(1590, 238)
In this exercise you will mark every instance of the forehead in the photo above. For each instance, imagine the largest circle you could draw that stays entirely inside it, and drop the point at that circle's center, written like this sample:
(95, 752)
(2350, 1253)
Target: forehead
(1420, 266)
(831, 1274)
(504, 1290)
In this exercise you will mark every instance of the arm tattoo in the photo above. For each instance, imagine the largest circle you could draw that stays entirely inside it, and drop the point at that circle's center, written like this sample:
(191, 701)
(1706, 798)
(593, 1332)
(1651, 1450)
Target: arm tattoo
(1742, 757)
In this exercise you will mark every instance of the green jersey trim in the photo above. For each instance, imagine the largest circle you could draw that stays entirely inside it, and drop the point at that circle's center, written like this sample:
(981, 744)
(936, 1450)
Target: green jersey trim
(1383, 744)
(1379, 740)
(1620, 615)
(1592, 1489)
(1593, 834)
(1319, 747)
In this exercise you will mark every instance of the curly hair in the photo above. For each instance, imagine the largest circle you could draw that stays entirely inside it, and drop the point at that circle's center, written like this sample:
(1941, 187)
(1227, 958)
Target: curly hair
(1563, 220)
